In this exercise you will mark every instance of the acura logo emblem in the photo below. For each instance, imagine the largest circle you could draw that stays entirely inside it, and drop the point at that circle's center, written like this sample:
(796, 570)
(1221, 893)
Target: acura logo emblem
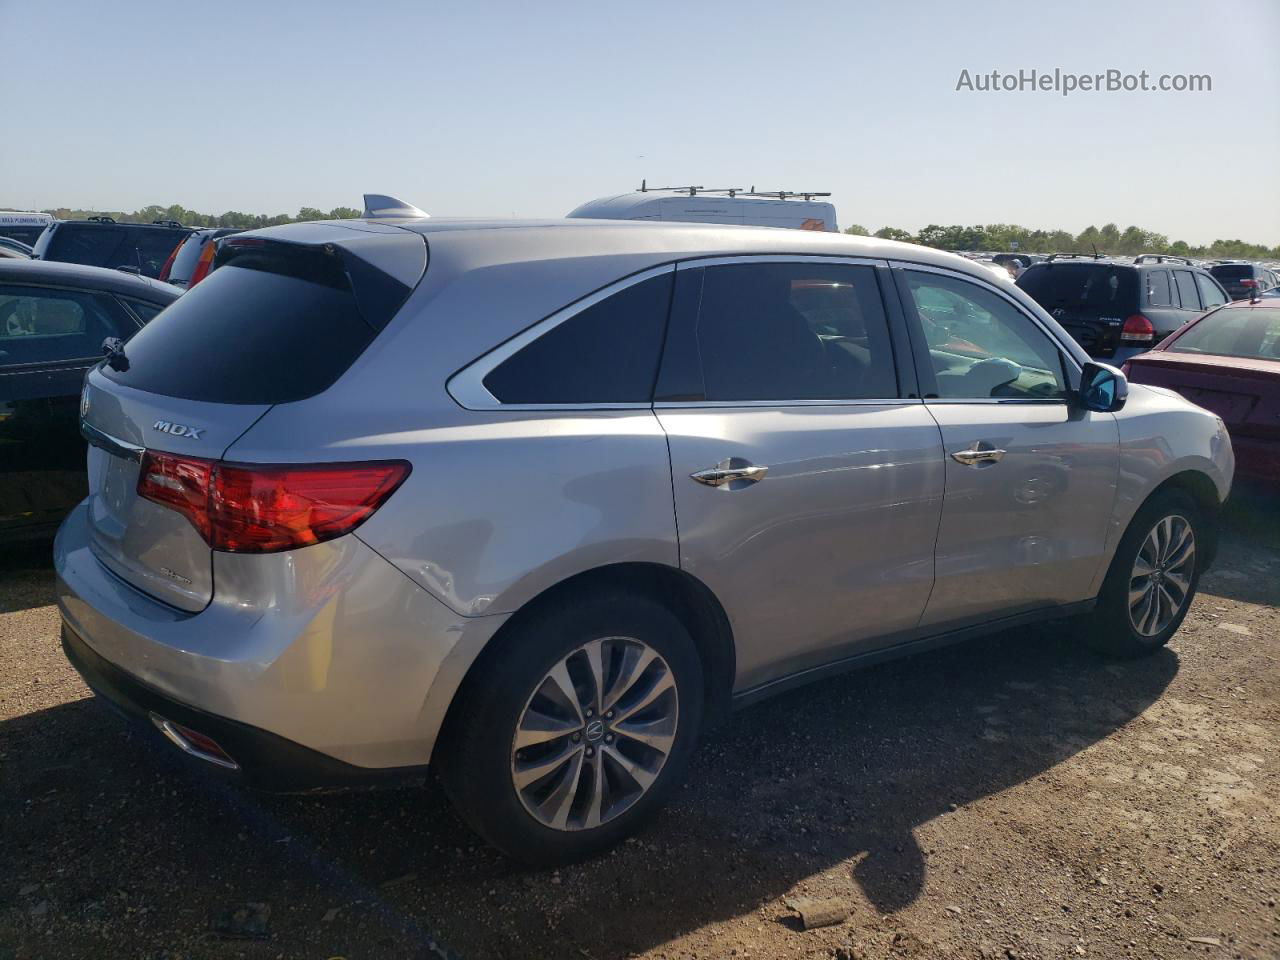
(595, 730)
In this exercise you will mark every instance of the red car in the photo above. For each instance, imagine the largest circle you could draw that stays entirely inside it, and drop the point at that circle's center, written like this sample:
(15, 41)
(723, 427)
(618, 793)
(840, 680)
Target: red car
(1228, 361)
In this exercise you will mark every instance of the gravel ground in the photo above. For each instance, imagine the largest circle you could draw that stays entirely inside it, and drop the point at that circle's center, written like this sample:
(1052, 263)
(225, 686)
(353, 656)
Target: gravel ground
(1013, 798)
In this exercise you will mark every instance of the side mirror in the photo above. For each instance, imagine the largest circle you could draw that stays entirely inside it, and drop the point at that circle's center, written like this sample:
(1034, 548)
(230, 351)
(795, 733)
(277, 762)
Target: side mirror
(1103, 388)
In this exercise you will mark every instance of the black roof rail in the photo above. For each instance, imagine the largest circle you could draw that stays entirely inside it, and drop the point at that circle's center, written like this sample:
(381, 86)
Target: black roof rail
(1073, 256)
(101, 219)
(166, 223)
(1162, 258)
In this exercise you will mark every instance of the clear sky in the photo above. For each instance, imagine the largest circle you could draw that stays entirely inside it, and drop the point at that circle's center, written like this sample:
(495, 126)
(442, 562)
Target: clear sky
(529, 108)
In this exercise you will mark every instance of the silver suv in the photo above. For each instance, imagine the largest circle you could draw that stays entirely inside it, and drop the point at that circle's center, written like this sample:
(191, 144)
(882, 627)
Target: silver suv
(531, 502)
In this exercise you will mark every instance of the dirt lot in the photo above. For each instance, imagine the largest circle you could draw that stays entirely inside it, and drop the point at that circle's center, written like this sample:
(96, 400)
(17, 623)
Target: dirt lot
(1016, 797)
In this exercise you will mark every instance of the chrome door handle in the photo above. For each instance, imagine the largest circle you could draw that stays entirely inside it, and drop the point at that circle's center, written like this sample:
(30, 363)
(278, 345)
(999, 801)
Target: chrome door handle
(731, 474)
(980, 452)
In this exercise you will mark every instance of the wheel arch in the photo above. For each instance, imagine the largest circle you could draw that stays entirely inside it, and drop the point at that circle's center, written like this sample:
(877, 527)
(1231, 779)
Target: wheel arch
(687, 597)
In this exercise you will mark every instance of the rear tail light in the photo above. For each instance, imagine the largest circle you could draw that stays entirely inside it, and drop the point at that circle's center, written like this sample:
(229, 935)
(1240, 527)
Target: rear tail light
(168, 263)
(1250, 284)
(202, 265)
(243, 508)
(1137, 329)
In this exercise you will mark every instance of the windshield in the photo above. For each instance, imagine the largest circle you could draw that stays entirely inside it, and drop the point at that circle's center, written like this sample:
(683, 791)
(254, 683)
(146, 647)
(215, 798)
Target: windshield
(1252, 333)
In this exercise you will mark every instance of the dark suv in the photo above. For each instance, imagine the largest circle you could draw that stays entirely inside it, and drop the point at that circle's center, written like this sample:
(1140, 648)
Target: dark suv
(1118, 308)
(1243, 280)
(141, 248)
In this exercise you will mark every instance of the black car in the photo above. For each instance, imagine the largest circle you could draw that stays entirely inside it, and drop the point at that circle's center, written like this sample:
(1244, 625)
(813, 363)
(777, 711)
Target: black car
(1117, 308)
(53, 320)
(1243, 280)
(141, 248)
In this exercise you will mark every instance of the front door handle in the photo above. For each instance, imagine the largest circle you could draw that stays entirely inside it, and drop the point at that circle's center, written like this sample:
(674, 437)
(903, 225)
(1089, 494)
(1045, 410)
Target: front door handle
(731, 474)
(978, 454)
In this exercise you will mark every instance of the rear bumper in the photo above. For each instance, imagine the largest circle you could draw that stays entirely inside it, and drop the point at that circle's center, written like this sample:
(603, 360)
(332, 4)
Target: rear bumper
(262, 759)
(329, 648)
(1257, 462)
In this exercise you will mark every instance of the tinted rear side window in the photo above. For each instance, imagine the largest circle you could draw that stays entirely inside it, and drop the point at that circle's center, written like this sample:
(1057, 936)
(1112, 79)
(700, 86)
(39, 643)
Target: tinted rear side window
(147, 250)
(607, 353)
(1103, 289)
(1186, 289)
(1159, 293)
(266, 328)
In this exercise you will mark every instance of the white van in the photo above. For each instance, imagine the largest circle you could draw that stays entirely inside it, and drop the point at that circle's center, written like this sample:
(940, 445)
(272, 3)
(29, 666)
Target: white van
(778, 208)
(23, 225)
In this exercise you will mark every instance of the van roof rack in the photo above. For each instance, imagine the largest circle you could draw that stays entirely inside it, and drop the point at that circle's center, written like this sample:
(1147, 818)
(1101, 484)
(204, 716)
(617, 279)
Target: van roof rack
(1162, 258)
(166, 223)
(693, 191)
(101, 219)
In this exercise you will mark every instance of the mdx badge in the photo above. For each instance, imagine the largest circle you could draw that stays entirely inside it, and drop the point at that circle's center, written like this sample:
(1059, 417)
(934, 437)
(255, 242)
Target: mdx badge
(178, 429)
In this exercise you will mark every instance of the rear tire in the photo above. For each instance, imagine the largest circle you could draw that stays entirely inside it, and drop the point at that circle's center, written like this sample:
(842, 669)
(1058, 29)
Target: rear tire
(575, 729)
(1152, 579)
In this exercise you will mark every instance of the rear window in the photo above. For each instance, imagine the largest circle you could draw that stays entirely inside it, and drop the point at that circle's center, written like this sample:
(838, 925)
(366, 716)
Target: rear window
(81, 243)
(1101, 288)
(186, 259)
(274, 324)
(1253, 333)
(1232, 271)
(147, 250)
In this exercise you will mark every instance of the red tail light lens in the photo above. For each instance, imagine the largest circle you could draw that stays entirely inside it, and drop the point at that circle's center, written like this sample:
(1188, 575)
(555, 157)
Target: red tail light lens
(1137, 329)
(201, 269)
(168, 263)
(258, 509)
(1249, 283)
(180, 483)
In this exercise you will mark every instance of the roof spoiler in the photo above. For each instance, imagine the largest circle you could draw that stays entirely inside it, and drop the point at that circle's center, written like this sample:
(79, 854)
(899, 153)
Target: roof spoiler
(380, 205)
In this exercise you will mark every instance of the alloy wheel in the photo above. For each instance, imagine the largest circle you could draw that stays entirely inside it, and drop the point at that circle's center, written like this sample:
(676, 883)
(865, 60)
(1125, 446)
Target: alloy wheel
(1160, 582)
(595, 734)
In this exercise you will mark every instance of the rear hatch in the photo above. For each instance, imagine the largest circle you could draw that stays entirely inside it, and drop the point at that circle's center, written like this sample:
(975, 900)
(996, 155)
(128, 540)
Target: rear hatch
(278, 321)
(1231, 276)
(1090, 300)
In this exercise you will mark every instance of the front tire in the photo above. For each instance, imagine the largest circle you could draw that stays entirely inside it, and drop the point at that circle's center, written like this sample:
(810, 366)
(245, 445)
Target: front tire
(575, 729)
(1152, 579)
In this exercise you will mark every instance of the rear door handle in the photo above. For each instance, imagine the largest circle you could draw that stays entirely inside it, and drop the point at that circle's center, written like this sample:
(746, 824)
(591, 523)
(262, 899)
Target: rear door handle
(731, 474)
(978, 454)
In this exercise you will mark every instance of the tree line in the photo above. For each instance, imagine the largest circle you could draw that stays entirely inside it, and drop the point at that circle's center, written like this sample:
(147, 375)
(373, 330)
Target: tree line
(232, 218)
(1108, 239)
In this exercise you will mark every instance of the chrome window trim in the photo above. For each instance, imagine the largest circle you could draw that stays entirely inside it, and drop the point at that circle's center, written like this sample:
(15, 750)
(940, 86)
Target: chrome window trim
(467, 387)
(980, 282)
(772, 404)
(695, 263)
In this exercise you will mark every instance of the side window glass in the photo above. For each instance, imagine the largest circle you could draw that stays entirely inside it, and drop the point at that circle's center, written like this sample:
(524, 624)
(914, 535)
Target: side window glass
(42, 326)
(794, 331)
(92, 245)
(1186, 289)
(980, 345)
(1159, 293)
(146, 311)
(607, 353)
(1209, 291)
(151, 248)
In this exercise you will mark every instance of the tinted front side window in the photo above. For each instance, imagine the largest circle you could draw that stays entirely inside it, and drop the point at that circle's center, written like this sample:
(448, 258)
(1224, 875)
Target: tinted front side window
(794, 331)
(39, 325)
(1159, 293)
(980, 345)
(1186, 289)
(1210, 295)
(607, 353)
